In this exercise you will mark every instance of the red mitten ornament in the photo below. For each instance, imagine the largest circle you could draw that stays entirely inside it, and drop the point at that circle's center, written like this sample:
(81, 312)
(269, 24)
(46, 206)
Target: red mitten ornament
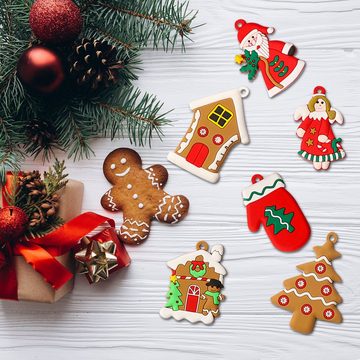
(269, 203)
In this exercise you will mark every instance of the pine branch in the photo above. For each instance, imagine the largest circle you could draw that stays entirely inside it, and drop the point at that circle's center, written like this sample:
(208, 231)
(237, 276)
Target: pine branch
(74, 130)
(128, 111)
(161, 22)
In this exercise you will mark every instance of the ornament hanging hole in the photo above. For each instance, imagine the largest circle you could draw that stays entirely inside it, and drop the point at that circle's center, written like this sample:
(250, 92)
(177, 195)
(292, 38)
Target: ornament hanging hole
(332, 236)
(256, 178)
(244, 92)
(202, 245)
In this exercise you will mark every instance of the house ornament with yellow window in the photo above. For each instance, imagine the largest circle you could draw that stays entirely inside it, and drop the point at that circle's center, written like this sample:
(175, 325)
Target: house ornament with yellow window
(218, 123)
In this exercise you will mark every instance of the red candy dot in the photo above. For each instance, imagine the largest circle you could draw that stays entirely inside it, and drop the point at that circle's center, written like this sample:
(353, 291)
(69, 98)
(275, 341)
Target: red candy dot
(328, 314)
(320, 268)
(283, 300)
(326, 290)
(203, 131)
(300, 283)
(306, 309)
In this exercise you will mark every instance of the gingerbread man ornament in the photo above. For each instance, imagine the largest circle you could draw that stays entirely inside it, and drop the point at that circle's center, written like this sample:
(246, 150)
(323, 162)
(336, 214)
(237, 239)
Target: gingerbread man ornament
(139, 194)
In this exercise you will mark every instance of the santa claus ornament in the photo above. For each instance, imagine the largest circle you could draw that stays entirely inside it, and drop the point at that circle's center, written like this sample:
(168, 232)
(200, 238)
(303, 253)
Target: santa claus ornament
(270, 204)
(195, 286)
(319, 143)
(275, 59)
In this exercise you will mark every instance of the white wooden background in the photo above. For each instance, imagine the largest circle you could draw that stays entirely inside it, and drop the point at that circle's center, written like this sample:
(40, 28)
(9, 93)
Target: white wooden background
(119, 319)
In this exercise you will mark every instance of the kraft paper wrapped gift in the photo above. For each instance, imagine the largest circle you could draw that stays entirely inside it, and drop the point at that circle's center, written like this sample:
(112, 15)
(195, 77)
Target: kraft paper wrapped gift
(31, 285)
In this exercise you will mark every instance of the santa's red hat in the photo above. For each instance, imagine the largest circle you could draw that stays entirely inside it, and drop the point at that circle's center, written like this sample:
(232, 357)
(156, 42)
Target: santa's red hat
(246, 30)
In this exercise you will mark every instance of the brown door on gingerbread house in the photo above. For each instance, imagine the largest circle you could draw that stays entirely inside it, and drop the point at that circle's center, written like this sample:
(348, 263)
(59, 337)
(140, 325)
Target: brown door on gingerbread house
(198, 154)
(192, 299)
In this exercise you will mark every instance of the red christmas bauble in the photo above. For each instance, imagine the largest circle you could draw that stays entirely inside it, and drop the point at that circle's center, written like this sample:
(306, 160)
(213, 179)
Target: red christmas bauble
(40, 69)
(13, 223)
(55, 21)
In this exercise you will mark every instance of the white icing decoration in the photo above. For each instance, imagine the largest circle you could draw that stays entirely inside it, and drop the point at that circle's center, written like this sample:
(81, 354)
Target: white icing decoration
(124, 230)
(129, 186)
(323, 258)
(110, 198)
(123, 161)
(112, 166)
(193, 317)
(152, 178)
(123, 173)
(141, 205)
(220, 154)
(135, 196)
(317, 278)
(189, 135)
(171, 206)
(310, 297)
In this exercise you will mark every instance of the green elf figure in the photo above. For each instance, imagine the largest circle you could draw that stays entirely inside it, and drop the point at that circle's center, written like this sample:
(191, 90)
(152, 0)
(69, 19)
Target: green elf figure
(213, 298)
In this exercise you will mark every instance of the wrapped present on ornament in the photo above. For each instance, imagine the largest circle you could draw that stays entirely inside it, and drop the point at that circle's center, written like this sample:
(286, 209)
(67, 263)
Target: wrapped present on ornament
(36, 261)
(100, 255)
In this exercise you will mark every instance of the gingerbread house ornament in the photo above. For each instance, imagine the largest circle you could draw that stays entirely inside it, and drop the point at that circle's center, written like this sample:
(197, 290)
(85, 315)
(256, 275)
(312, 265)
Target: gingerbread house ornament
(218, 124)
(195, 285)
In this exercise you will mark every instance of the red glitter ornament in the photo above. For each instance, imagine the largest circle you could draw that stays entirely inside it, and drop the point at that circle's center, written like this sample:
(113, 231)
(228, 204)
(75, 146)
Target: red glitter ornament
(13, 223)
(40, 69)
(55, 21)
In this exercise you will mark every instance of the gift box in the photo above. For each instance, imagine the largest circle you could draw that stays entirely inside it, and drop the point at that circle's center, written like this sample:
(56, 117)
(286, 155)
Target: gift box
(39, 271)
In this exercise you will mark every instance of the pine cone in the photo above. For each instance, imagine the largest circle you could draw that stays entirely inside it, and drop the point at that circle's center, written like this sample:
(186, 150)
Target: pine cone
(94, 64)
(36, 193)
(41, 134)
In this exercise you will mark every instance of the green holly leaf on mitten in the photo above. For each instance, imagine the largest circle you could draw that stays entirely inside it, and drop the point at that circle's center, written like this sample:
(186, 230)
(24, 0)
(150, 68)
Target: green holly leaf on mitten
(279, 219)
(252, 64)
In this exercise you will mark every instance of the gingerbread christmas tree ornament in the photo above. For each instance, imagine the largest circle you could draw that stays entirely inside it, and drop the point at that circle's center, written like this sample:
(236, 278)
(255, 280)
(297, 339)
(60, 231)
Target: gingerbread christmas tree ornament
(275, 59)
(218, 124)
(195, 286)
(312, 295)
(139, 194)
(319, 143)
(270, 204)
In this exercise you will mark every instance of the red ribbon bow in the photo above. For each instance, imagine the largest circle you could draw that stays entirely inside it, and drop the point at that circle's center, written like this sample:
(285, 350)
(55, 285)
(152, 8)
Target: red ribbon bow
(41, 252)
(200, 264)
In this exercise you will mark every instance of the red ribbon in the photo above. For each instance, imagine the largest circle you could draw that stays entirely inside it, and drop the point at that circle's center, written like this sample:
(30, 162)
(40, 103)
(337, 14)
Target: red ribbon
(41, 252)
(200, 264)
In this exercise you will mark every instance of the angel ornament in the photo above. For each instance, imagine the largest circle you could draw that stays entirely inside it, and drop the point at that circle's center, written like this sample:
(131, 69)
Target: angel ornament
(319, 143)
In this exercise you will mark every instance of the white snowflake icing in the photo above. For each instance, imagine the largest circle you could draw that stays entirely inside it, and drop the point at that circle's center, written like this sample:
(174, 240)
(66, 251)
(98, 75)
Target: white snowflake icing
(307, 309)
(217, 140)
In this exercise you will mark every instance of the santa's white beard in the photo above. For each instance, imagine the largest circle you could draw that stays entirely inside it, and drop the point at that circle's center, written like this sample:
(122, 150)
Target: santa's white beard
(263, 42)
(318, 115)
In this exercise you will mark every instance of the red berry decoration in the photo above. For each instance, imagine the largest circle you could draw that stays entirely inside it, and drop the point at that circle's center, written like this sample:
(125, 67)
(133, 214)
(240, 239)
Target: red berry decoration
(55, 21)
(13, 223)
(40, 69)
